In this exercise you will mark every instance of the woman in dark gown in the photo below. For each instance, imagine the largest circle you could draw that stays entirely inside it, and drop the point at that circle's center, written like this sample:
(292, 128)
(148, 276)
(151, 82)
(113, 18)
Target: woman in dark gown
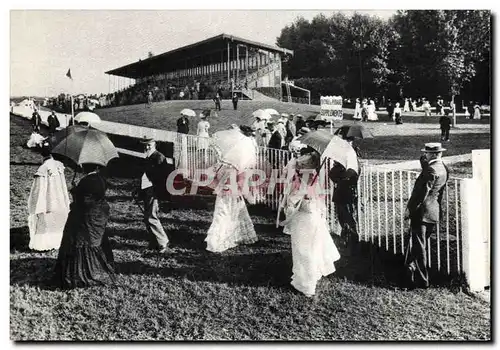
(85, 257)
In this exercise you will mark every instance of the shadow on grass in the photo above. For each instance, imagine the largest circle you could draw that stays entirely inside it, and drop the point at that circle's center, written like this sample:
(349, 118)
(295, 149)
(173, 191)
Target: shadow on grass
(14, 163)
(270, 269)
(31, 271)
(19, 239)
(377, 267)
(185, 238)
(137, 234)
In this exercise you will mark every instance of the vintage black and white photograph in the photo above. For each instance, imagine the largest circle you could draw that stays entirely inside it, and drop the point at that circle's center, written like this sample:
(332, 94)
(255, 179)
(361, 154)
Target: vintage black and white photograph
(250, 175)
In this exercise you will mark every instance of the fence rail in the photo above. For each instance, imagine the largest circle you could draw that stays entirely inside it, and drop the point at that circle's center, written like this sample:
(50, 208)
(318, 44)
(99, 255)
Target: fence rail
(383, 194)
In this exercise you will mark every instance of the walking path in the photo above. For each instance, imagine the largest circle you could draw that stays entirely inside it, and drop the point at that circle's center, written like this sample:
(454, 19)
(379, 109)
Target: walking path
(415, 164)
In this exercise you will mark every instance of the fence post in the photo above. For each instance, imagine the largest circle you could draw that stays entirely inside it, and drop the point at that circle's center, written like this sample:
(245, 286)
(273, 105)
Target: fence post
(183, 156)
(472, 226)
(481, 173)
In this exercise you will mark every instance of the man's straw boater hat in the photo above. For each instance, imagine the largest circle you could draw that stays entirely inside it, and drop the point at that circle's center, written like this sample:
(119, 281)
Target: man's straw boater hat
(433, 147)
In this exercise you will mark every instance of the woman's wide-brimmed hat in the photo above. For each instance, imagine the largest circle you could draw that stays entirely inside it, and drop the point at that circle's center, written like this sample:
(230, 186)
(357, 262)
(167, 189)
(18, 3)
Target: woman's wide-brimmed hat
(433, 147)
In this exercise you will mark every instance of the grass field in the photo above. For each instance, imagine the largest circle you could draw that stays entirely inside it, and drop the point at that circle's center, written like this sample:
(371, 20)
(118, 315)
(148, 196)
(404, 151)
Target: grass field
(241, 294)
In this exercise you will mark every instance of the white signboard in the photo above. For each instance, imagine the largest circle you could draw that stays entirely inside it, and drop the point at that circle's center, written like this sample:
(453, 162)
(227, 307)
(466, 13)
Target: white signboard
(331, 107)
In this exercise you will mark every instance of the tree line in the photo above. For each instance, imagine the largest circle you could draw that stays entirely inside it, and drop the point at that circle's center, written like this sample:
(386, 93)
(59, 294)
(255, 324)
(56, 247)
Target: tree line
(415, 53)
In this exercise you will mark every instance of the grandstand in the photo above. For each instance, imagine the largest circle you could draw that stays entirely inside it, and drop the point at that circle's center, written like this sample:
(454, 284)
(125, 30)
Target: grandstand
(223, 63)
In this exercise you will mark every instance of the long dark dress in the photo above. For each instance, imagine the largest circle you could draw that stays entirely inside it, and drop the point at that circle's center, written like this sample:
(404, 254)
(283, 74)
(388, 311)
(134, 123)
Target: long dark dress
(85, 256)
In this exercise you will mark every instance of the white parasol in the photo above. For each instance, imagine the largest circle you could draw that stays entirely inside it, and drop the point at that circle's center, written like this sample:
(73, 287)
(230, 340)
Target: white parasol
(235, 149)
(188, 112)
(333, 147)
(87, 117)
(262, 114)
(271, 111)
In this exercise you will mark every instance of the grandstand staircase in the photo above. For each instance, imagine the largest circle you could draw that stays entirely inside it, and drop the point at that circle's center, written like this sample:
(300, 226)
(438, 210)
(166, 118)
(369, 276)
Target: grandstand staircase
(252, 79)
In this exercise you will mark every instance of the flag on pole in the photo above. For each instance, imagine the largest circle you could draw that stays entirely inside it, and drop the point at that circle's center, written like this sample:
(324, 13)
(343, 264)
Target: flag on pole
(69, 74)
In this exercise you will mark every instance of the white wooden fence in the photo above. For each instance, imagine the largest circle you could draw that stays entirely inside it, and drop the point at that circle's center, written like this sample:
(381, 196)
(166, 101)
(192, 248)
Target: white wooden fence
(383, 195)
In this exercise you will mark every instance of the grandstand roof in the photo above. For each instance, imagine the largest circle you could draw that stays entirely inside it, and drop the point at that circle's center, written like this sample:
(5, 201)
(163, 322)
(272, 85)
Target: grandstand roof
(176, 59)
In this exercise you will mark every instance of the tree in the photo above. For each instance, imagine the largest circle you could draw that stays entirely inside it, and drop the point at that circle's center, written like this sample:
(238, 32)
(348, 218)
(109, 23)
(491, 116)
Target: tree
(150, 54)
(369, 39)
(439, 50)
(341, 48)
(422, 53)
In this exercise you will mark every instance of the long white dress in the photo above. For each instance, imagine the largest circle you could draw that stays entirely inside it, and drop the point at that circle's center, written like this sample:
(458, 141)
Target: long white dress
(357, 111)
(372, 115)
(406, 106)
(202, 132)
(259, 127)
(231, 225)
(48, 206)
(313, 249)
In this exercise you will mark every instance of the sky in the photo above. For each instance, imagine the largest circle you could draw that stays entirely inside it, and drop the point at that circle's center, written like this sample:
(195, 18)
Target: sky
(44, 44)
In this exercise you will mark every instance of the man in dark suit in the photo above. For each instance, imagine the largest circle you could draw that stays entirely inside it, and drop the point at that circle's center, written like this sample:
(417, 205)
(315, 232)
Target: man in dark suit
(53, 122)
(300, 122)
(183, 125)
(445, 124)
(423, 210)
(153, 187)
(345, 197)
(217, 99)
(235, 101)
(277, 139)
(36, 121)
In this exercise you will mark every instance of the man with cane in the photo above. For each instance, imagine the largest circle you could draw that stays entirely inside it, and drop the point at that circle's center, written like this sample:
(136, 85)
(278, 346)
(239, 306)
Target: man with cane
(153, 187)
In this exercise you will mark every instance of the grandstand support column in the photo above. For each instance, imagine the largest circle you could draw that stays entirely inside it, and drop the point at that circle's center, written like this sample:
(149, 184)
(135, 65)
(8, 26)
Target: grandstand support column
(246, 63)
(210, 69)
(228, 64)
(237, 64)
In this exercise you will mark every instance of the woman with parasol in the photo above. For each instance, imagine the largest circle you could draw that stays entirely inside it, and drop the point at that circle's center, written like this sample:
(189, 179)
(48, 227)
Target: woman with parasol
(85, 257)
(231, 223)
(313, 249)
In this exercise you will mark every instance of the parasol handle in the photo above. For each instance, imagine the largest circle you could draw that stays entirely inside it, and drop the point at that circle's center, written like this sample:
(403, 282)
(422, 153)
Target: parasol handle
(74, 176)
(317, 171)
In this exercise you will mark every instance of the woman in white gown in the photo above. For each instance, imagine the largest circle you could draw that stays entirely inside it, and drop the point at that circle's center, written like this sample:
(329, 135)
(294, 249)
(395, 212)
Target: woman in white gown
(313, 249)
(48, 204)
(357, 110)
(406, 106)
(231, 225)
(259, 125)
(372, 115)
(203, 137)
(202, 132)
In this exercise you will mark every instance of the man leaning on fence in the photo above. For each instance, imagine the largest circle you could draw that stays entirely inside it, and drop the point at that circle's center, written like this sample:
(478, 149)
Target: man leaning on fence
(423, 211)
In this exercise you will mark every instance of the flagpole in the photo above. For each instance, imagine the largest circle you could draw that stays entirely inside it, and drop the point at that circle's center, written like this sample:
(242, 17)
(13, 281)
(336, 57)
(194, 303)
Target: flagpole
(72, 109)
(71, 94)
